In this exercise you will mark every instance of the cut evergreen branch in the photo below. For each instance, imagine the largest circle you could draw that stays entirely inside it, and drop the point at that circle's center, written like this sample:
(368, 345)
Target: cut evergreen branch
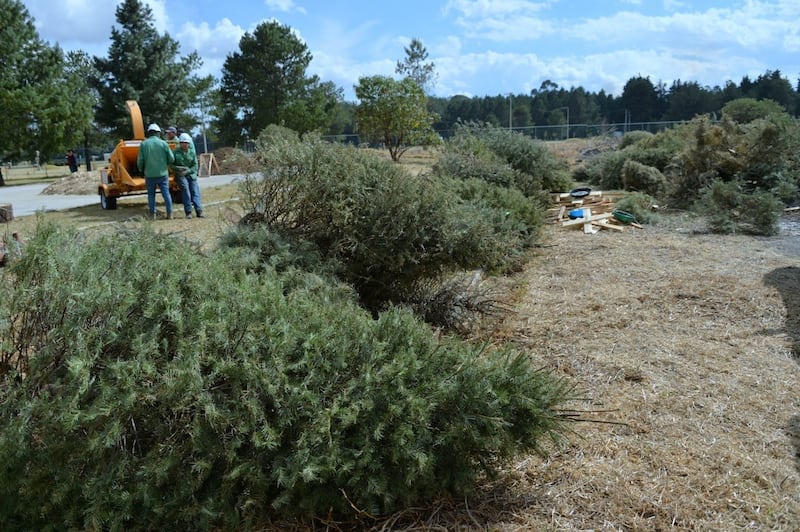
(160, 389)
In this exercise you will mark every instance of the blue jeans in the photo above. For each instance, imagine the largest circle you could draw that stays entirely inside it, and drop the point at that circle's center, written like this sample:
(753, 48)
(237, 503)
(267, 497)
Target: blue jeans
(163, 184)
(190, 194)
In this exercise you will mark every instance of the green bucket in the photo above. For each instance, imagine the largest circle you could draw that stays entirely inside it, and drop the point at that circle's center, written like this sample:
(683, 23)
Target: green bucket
(622, 216)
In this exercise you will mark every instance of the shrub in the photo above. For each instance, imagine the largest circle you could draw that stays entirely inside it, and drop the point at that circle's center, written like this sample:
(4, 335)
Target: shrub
(606, 170)
(769, 152)
(385, 228)
(633, 137)
(467, 157)
(456, 303)
(638, 204)
(760, 156)
(729, 209)
(639, 177)
(155, 389)
(540, 169)
(709, 152)
(656, 151)
(760, 214)
(505, 158)
(265, 251)
(520, 213)
(745, 110)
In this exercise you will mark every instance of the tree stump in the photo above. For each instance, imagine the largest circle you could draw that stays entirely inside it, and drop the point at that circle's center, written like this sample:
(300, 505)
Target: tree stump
(6, 212)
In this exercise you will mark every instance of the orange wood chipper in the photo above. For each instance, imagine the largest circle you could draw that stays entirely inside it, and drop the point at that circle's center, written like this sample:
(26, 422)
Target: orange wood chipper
(122, 177)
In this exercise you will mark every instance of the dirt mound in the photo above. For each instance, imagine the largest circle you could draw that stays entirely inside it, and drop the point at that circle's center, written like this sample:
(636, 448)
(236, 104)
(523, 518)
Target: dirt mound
(579, 151)
(75, 184)
(233, 161)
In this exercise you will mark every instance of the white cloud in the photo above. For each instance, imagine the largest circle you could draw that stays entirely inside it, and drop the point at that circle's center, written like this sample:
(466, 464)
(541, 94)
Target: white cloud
(284, 6)
(84, 23)
(501, 20)
(670, 5)
(451, 45)
(480, 9)
(72, 20)
(528, 40)
(792, 42)
(209, 41)
(518, 28)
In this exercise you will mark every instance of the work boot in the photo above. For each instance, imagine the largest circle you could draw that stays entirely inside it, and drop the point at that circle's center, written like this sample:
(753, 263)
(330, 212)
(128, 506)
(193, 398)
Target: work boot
(153, 216)
(188, 216)
(169, 216)
(200, 214)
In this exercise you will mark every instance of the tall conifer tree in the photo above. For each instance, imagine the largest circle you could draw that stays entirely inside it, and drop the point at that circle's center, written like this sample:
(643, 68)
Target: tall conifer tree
(141, 65)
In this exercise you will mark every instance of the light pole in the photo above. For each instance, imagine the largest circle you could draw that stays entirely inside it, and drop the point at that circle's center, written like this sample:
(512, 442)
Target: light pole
(567, 108)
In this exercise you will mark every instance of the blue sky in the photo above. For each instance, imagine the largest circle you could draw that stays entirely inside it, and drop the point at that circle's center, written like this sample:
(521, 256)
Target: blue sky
(479, 47)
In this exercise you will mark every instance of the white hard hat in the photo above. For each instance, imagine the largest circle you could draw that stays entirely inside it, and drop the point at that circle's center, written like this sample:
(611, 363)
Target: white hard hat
(154, 127)
(184, 138)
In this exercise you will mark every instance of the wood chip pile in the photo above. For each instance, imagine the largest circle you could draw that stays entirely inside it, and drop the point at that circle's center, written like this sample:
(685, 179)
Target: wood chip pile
(591, 212)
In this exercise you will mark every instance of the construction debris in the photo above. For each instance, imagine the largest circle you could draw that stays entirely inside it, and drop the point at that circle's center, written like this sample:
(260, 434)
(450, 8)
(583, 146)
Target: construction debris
(591, 210)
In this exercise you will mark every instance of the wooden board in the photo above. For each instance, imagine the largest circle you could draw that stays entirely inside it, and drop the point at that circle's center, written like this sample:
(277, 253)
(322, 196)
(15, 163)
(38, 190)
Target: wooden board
(581, 221)
(206, 163)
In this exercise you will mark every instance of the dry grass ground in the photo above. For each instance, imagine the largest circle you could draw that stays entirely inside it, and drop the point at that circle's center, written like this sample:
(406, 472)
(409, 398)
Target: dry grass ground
(220, 207)
(686, 346)
(689, 343)
(25, 174)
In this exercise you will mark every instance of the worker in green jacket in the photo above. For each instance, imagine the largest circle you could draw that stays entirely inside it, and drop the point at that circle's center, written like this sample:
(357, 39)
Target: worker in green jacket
(154, 160)
(185, 169)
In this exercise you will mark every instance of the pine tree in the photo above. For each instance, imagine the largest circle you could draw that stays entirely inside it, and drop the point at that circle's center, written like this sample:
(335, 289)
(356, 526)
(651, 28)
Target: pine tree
(142, 65)
(265, 82)
(415, 67)
(40, 108)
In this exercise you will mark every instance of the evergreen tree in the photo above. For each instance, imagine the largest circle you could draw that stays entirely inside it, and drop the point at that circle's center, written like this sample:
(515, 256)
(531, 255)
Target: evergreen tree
(142, 65)
(78, 73)
(265, 83)
(548, 98)
(731, 91)
(639, 98)
(461, 108)
(42, 108)
(415, 67)
(773, 86)
(687, 100)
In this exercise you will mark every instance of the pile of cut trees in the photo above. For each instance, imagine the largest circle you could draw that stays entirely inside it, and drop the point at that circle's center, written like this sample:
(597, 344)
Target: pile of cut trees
(591, 210)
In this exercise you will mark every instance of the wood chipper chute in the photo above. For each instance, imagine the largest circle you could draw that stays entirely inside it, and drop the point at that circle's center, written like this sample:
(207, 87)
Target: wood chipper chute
(122, 176)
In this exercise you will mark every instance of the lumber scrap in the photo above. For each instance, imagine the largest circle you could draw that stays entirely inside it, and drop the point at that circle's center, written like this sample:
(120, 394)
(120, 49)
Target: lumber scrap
(606, 224)
(581, 221)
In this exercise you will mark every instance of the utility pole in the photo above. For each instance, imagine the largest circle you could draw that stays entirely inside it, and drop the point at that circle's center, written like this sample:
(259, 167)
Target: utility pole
(203, 116)
(509, 111)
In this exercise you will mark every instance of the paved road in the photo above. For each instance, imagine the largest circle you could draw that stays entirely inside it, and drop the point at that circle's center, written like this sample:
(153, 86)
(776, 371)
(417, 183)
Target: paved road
(28, 199)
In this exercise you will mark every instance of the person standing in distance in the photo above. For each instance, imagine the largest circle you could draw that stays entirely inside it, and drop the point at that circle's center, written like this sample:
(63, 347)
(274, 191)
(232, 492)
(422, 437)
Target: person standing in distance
(154, 160)
(186, 174)
(72, 161)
